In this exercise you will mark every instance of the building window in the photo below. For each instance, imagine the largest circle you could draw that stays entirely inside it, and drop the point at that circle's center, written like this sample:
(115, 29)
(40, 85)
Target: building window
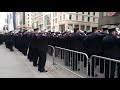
(50, 15)
(82, 12)
(76, 17)
(70, 26)
(82, 27)
(88, 13)
(64, 17)
(53, 20)
(70, 17)
(88, 19)
(56, 20)
(60, 18)
(53, 14)
(88, 28)
(82, 18)
(93, 19)
(94, 13)
(28, 14)
(28, 21)
(28, 17)
(76, 26)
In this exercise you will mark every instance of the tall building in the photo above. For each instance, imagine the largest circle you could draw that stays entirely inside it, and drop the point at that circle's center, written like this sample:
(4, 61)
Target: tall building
(62, 21)
(28, 20)
(35, 19)
(14, 20)
(18, 20)
(24, 20)
(109, 19)
(44, 21)
(82, 20)
(10, 21)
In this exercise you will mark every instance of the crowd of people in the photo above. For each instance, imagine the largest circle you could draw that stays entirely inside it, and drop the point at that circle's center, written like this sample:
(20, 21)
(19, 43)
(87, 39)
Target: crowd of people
(34, 45)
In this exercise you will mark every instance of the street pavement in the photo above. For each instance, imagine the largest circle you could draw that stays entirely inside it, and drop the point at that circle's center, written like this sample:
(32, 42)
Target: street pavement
(16, 65)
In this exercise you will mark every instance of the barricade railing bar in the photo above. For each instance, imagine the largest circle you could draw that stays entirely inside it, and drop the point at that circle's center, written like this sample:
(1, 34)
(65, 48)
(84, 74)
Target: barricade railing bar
(73, 61)
(51, 52)
(79, 64)
(102, 67)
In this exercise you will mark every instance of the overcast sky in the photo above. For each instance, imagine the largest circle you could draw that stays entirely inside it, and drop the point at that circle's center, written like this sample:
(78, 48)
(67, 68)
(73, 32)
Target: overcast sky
(3, 15)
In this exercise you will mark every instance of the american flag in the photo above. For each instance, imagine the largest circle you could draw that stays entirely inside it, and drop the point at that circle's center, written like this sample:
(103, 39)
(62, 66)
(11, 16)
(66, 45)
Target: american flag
(111, 13)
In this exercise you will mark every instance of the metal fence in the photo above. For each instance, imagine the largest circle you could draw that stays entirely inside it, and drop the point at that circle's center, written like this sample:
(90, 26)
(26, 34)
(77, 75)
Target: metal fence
(82, 66)
(74, 61)
(102, 67)
(51, 51)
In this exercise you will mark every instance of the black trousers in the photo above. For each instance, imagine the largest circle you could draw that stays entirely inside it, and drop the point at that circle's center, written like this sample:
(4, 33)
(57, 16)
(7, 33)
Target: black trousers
(42, 60)
(10, 45)
(50, 51)
(6, 43)
(35, 56)
(67, 58)
(1, 42)
(24, 49)
(62, 52)
(30, 54)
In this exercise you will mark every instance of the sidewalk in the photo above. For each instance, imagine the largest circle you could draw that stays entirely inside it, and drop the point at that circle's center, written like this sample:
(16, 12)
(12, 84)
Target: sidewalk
(16, 65)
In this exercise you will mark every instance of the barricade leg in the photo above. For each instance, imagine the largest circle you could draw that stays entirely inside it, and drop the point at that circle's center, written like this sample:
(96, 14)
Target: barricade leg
(74, 62)
(107, 69)
(102, 66)
(56, 52)
(67, 58)
(92, 67)
(89, 68)
(118, 70)
(112, 73)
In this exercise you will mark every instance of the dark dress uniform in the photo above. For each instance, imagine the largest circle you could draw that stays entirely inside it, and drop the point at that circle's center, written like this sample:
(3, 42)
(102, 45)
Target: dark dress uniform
(25, 43)
(10, 41)
(29, 46)
(34, 49)
(15, 40)
(20, 42)
(1, 38)
(62, 45)
(67, 53)
(77, 40)
(42, 50)
(111, 49)
(92, 46)
(6, 40)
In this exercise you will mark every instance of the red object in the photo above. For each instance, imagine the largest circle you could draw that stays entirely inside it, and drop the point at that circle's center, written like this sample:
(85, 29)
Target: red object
(111, 13)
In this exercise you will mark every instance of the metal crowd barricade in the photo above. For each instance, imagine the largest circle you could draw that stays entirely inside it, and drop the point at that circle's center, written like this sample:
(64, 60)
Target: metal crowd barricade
(102, 67)
(73, 61)
(51, 51)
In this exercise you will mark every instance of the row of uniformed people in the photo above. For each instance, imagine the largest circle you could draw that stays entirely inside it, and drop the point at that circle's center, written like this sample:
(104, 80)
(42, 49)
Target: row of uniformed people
(95, 43)
(1, 38)
(9, 40)
(32, 44)
(102, 43)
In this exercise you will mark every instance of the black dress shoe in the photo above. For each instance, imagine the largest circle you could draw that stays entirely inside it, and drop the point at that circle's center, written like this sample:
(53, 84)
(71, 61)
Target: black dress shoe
(30, 60)
(11, 50)
(44, 71)
(35, 65)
